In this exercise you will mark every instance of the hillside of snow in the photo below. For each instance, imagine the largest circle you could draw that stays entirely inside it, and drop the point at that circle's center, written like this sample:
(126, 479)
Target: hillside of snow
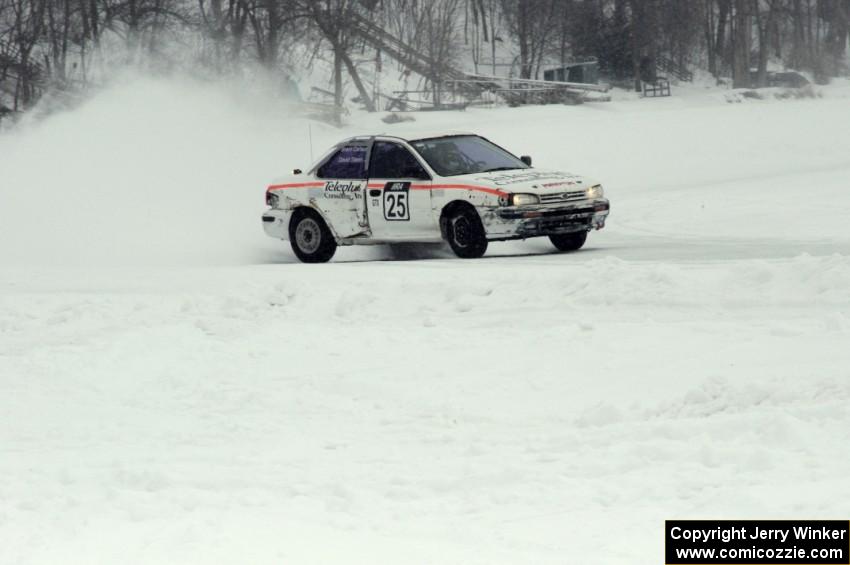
(178, 389)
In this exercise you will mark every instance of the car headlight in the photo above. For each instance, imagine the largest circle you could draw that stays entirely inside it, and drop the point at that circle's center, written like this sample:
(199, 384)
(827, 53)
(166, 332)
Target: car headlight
(595, 191)
(271, 199)
(524, 199)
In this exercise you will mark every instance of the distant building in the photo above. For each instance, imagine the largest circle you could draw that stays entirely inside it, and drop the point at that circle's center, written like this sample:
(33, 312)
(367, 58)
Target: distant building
(586, 72)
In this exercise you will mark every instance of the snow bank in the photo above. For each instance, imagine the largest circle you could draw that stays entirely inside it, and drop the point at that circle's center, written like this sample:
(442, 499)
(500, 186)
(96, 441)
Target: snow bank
(505, 410)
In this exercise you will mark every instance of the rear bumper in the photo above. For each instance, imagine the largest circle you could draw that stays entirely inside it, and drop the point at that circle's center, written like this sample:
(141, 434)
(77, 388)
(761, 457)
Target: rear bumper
(276, 223)
(518, 222)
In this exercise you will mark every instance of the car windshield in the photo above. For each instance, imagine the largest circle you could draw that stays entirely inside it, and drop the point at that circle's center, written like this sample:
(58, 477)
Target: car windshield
(464, 155)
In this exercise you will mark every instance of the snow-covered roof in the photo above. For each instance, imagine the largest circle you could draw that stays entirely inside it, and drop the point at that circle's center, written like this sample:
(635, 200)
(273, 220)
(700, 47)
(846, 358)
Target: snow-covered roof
(413, 135)
(425, 134)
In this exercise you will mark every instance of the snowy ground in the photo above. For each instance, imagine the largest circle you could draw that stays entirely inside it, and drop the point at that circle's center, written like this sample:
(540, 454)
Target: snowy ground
(177, 390)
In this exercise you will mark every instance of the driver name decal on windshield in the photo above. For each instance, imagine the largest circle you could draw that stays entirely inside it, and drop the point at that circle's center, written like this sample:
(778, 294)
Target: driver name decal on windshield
(349, 190)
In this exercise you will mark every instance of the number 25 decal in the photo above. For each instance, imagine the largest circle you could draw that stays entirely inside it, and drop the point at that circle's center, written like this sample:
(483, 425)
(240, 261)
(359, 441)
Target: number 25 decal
(396, 206)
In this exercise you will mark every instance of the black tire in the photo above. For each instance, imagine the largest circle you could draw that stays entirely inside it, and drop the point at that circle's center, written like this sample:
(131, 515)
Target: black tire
(311, 240)
(569, 241)
(464, 232)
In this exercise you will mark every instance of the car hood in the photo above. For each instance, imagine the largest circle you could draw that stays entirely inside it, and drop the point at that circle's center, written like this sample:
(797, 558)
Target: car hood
(534, 181)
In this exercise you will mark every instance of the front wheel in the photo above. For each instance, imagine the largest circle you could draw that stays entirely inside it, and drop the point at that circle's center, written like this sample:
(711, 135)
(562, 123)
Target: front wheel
(569, 241)
(311, 240)
(465, 233)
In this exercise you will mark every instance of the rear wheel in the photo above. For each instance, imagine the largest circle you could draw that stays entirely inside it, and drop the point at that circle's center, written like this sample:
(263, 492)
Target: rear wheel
(465, 233)
(569, 241)
(311, 240)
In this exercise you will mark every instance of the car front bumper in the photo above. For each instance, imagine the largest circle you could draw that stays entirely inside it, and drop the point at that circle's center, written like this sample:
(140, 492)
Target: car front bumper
(276, 223)
(519, 222)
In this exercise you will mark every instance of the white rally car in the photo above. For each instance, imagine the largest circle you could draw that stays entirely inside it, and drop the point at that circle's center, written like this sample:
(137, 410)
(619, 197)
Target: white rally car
(460, 188)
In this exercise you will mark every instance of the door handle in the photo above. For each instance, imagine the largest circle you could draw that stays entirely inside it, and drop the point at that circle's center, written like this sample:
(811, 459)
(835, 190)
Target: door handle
(375, 192)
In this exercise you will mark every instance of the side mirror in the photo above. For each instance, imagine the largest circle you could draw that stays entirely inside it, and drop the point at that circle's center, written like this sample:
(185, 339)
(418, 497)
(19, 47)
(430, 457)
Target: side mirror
(296, 171)
(526, 159)
(415, 173)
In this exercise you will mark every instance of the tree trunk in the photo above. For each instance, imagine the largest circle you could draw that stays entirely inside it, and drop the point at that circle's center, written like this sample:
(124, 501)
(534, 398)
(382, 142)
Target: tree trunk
(708, 27)
(763, 23)
(799, 37)
(741, 46)
(636, 45)
(524, 40)
(838, 32)
(724, 6)
(352, 70)
(650, 38)
(272, 43)
(337, 78)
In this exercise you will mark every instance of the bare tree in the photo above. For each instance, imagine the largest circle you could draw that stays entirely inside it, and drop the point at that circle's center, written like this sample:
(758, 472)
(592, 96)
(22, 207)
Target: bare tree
(333, 19)
(765, 15)
(716, 18)
(741, 43)
(48, 43)
(644, 36)
(532, 23)
(26, 25)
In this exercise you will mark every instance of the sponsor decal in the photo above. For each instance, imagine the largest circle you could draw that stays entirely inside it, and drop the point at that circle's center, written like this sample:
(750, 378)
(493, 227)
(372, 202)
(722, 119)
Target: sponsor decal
(503, 179)
(347, 190)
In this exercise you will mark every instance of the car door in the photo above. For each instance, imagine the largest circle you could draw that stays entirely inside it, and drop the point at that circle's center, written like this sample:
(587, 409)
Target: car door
(342, 197)
(399, 199)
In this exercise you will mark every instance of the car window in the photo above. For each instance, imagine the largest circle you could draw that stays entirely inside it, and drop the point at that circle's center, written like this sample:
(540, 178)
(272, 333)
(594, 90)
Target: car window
(465, 154)
(393, 161)
(347, 163)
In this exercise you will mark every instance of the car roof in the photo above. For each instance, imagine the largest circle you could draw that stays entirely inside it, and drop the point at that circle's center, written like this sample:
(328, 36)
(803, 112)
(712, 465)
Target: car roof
(412, 135)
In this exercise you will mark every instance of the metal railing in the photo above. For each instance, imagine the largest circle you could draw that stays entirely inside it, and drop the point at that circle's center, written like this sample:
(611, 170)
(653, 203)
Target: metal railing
(671, 67)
